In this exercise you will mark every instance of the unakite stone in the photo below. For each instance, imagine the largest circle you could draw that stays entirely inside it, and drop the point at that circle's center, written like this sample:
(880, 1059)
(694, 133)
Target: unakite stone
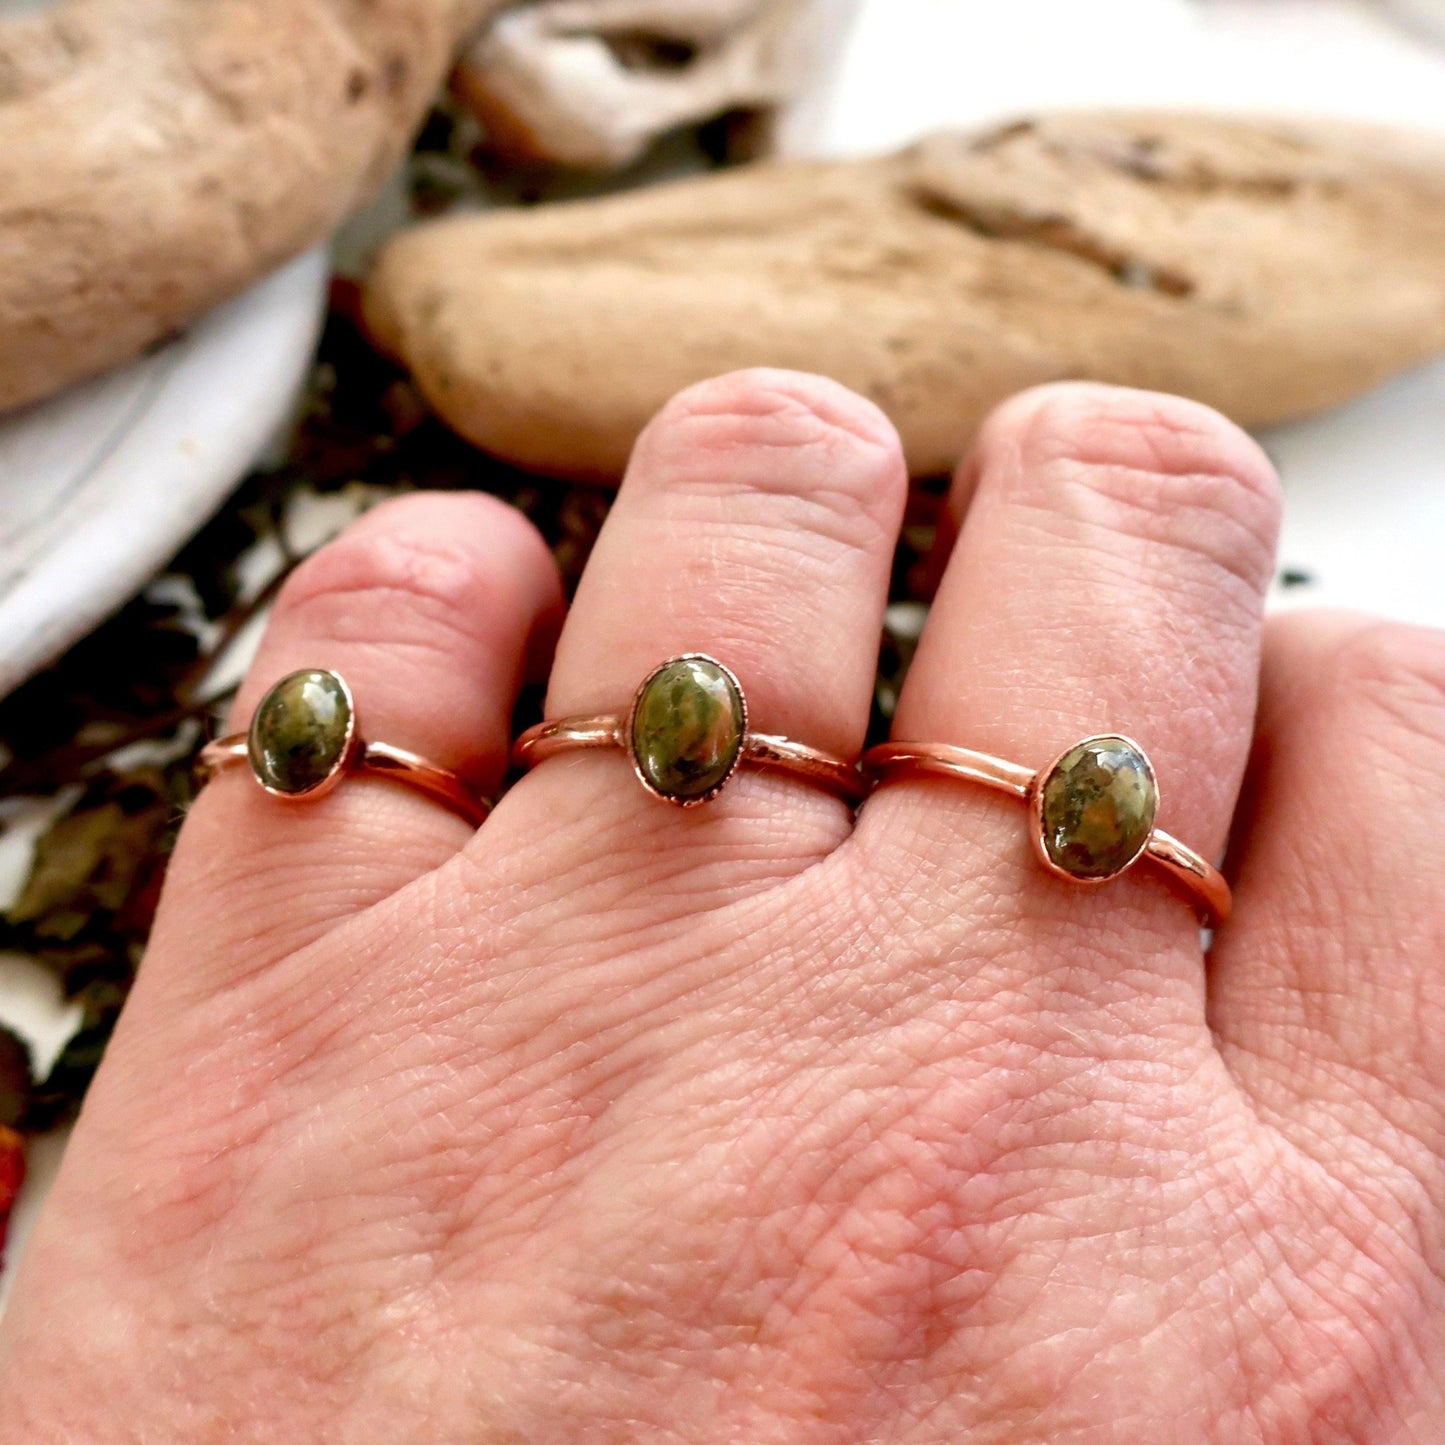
(300, 731)
(687, 728)
(1097, 807)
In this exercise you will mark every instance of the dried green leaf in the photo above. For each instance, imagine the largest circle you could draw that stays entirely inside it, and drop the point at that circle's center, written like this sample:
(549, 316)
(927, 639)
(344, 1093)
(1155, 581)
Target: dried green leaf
(56, 1100)
(90, 859)
(85, 961)
(16, 1082)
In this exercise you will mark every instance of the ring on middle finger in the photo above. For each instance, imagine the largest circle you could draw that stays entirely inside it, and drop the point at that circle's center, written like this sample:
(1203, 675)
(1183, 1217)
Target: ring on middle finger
(686, 734)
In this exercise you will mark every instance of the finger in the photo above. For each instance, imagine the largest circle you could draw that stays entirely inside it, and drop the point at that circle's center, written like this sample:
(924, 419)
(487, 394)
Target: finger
(1108, 578)
(427, 607)
(756, 523)
(949, 522)
(1328, 993)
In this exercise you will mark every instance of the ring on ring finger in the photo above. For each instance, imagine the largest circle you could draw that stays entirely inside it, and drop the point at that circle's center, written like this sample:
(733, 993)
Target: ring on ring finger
(1092, 809)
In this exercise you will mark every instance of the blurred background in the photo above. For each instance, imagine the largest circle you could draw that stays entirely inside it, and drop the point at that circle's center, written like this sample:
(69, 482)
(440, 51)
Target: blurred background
(149, 509)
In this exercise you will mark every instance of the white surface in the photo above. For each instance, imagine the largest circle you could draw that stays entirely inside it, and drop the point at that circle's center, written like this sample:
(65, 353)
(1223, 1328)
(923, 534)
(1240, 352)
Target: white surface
(1365, 502)
(1427, 16)
(912, 65)
(99, 486)
(1365, 486)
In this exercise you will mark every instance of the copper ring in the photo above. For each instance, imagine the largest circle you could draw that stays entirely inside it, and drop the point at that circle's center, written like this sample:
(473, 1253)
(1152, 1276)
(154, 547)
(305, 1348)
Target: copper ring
(728, 748)
(1204, 884)
(344, 753)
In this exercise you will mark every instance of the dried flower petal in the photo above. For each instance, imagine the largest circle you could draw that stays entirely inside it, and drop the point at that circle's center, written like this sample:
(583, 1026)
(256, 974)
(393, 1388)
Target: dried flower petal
(12, 1176)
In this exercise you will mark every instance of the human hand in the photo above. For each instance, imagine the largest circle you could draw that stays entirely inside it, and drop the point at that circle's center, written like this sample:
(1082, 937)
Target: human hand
(615, 1122)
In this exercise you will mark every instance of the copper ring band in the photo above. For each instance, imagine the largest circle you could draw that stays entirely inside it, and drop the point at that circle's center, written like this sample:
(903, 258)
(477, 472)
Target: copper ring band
(379, 760)
(759, 750)
(608, 730)
(354, 757)
(1204, 883)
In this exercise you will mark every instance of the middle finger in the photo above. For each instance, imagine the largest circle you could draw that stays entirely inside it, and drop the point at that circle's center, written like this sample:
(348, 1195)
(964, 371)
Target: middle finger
(757, 523)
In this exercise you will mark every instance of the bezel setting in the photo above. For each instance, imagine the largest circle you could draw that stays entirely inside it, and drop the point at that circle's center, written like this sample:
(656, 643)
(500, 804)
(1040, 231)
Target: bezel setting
(351, 749)
(628, 737)
(1035, 798)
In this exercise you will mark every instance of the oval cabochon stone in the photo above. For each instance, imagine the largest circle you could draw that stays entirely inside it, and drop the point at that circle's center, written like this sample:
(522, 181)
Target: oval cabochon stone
(300, 732)
(687, 728)
(1097, 808)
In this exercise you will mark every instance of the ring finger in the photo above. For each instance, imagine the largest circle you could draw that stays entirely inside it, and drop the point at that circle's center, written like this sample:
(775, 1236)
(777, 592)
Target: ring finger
(1108, 578)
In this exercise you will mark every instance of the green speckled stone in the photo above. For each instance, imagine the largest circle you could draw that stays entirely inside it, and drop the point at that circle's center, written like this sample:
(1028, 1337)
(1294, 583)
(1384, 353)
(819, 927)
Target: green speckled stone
(1098, 807)
(687, 730)
(299, 732)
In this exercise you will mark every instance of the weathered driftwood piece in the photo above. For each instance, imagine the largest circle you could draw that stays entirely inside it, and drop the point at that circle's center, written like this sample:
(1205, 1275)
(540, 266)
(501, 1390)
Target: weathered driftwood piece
(159, 155)
(1268, 268)
(592, 82)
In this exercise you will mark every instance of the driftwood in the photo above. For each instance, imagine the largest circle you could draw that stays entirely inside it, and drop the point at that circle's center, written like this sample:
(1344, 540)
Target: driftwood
(1267, 268)
(157, 156)
(592, 83)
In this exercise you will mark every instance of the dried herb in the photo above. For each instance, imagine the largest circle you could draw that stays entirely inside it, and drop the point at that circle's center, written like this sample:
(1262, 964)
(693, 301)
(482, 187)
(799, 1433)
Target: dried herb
(86, 910)
(15, 1080)
(56, 1099)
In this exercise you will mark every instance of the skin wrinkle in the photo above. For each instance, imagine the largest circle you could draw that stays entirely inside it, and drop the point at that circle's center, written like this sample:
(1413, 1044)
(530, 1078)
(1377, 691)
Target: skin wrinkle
(908, 883)
(1361, 1102)
(762, 828)
(1292, 1254)
(1359, 1040)
(1331, 1133)
(1011, 470)
(1311, 1022)
(778, 564)
(1102, 569)
(1400, 672)
(373, 841)
(1162, 974)
(1087, 480)
(1176, 515)
(1104, 582)
(846, 516)
(436, 591)
(754, 570)
(803, 411)
(702, 446)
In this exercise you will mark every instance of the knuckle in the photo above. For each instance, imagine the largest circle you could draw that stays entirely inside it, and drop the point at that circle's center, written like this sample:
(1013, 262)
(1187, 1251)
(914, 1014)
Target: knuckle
(1399, 672)
(1167, 472)
(780, 408)
(385, 581)
(819, 453)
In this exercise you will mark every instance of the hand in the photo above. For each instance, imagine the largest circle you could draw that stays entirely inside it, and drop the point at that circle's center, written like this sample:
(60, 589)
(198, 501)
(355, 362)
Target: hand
(617, 1123)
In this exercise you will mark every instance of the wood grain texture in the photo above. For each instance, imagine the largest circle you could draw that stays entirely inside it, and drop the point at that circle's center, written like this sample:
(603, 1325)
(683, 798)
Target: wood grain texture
(1267, 268)
(157, 156)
